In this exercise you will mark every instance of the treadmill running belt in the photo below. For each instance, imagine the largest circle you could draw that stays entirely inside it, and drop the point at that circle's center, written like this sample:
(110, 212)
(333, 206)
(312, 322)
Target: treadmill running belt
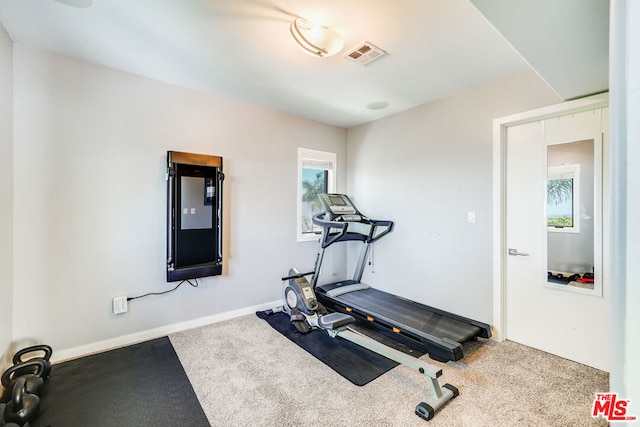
(409, 313)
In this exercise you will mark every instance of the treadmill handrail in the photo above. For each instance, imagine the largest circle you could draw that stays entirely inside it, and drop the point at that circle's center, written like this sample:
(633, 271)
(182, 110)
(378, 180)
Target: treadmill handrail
(380, 223)
(330, 238)
(327, 240)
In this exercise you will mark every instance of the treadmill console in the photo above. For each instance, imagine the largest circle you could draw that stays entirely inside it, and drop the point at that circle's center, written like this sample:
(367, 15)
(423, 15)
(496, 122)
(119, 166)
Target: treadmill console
(339, 205)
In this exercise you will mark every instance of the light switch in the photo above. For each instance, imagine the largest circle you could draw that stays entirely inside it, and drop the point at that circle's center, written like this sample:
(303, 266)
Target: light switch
(185, 211)
(471, 216)
(193, 211)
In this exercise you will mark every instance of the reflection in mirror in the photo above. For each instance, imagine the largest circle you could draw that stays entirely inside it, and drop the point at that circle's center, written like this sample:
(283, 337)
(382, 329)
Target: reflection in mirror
(195, 213)
(571, 213)
(563, 198)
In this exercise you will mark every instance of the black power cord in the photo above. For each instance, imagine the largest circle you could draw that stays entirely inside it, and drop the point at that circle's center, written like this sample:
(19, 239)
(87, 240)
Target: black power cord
(166, 292)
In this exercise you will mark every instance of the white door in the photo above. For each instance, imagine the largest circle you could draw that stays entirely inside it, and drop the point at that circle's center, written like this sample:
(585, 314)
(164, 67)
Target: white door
(568, 321)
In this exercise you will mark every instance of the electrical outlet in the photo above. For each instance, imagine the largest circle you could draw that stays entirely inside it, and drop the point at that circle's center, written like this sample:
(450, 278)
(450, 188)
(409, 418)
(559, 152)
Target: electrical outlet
(120, 305)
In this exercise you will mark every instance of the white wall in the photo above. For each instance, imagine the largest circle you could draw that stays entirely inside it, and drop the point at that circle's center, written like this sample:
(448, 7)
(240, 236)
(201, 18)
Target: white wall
(6, 193)
(90, 192)
(426, 168)
(625, 168)
(632, 301)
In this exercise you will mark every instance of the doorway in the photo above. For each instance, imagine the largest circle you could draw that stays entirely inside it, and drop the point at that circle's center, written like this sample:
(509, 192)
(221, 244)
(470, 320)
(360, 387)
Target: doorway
(548, 203)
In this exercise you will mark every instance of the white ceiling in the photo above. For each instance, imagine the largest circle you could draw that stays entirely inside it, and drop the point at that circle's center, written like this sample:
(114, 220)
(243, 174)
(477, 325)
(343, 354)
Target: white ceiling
(565, 41)
(242, 49)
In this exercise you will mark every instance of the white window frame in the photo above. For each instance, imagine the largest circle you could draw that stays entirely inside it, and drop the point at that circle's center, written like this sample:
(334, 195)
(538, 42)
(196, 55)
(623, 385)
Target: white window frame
(573, 172)
(308, 158)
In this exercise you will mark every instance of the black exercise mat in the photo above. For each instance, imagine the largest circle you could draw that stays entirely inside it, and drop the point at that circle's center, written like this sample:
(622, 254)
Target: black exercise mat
(139, 385)
(355, 363)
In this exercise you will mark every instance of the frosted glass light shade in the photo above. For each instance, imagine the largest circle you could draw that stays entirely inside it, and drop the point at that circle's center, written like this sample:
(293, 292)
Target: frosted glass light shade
(314, 39)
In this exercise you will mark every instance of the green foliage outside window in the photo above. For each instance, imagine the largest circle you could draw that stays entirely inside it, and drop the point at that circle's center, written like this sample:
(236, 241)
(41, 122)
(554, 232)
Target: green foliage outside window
(314, 183)
(560, 197)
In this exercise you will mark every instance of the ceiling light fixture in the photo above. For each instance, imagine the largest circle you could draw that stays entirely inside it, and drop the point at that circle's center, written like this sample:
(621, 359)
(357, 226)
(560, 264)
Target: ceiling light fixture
(314, 39)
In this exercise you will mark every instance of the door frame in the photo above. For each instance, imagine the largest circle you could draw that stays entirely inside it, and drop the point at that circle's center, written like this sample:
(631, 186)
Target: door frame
(500, 126)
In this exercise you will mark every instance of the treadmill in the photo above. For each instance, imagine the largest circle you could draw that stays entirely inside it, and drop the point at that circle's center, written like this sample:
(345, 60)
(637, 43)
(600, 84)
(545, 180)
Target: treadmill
(427, 329)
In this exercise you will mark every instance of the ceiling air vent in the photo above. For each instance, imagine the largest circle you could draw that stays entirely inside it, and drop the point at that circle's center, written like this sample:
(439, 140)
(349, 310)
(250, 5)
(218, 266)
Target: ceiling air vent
(364, 53)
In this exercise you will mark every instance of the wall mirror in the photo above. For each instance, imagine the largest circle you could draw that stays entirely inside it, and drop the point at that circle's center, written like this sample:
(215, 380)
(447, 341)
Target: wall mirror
(194, 215)
(574, 173)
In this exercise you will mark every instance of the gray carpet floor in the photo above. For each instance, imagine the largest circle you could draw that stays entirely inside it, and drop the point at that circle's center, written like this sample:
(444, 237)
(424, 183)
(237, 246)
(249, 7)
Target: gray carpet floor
(247, 374)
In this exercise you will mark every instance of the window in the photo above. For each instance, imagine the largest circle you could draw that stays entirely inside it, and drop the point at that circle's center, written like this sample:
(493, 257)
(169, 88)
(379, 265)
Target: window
(563, 199)
(316, 174)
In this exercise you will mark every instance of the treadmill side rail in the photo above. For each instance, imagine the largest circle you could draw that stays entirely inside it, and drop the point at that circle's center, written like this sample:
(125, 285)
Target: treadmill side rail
(336, 292)
(440, 349)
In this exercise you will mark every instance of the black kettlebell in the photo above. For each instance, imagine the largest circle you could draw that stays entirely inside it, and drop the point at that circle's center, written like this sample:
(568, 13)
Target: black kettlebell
(23, 406)
(46, 356)
(3, 423)
(34, 377)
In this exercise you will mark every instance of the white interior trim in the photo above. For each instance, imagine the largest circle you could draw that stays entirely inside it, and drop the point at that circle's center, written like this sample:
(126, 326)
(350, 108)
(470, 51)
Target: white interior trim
(100, 346)
(322, 160)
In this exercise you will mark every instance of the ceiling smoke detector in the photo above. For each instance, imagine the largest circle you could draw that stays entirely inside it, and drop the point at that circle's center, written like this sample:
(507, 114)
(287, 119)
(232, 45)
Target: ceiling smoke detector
(364, 53)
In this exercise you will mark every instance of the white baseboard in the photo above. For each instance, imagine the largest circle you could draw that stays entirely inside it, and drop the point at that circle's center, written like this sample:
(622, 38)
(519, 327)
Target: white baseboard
(100, 346)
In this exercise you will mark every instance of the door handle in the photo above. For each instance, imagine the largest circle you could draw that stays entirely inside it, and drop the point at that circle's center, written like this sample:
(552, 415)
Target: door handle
(514, 252)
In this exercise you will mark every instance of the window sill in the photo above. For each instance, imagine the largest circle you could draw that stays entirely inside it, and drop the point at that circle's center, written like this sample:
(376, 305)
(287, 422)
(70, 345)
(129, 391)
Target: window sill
(308, 237)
